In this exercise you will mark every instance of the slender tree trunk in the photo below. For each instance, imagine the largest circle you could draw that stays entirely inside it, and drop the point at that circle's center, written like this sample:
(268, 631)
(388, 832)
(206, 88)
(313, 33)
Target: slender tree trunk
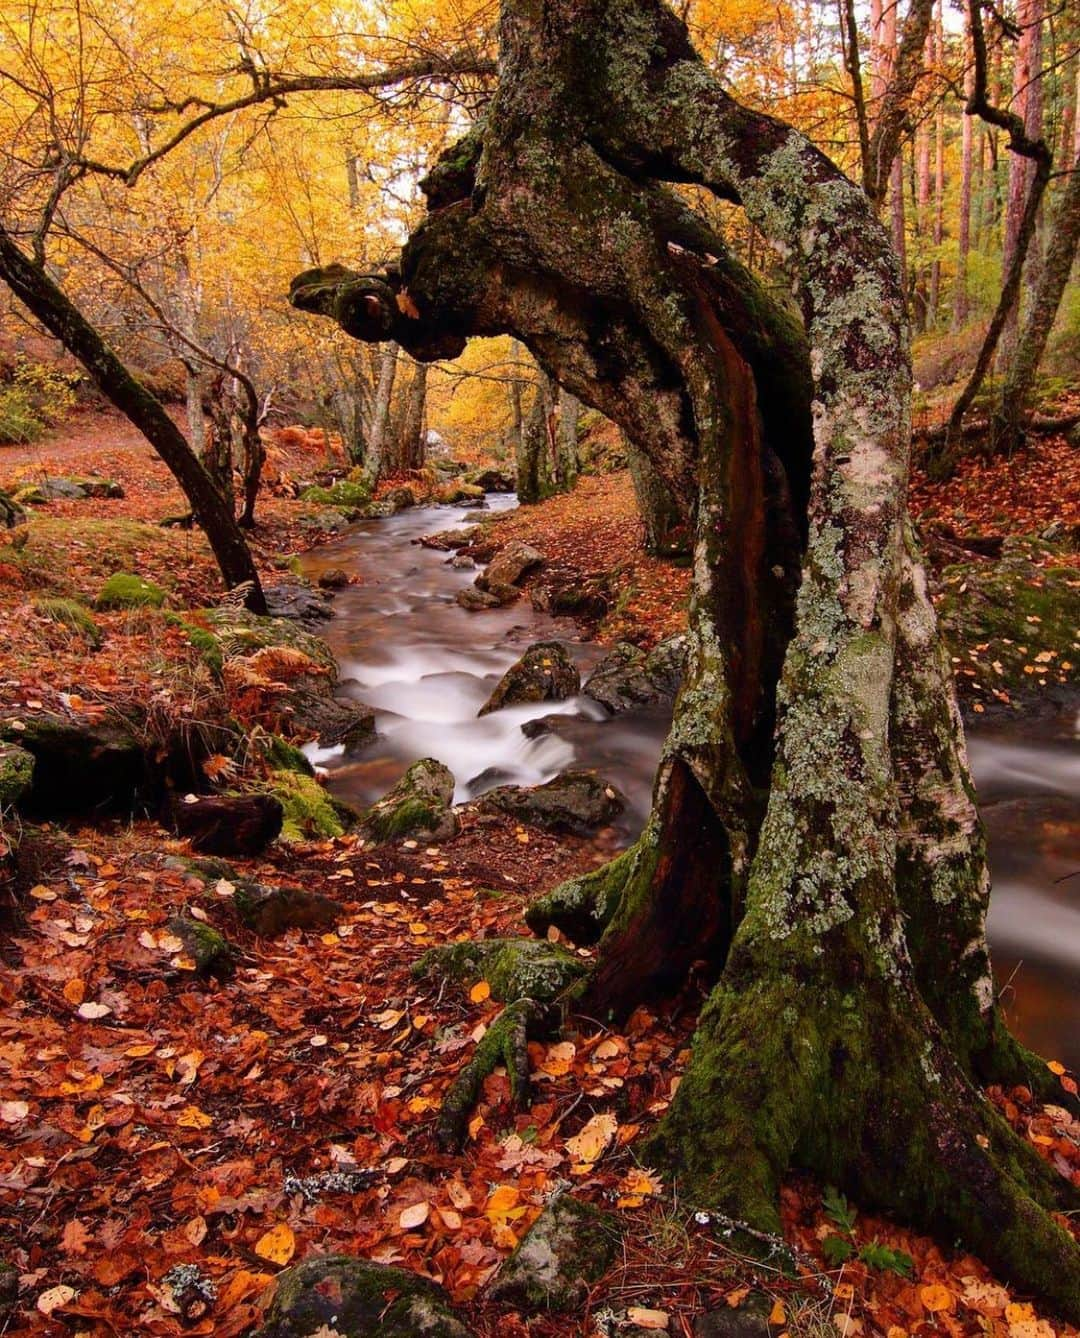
(412, 427)
(960, 288)
(938, 227)
(194, 391)
(569, 464)
(664, 522)
(379, 430)
(1046, 299)
(534, 481)
(63, 320)
(1027, 103)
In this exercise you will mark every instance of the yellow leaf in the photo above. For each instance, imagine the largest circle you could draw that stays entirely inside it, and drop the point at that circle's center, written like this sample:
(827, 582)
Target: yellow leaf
(1055, 1067)
(139, 1051)
(414, 1216)
(75, 991)
(277, 1245)
(589, 1145)
(936, 1297)
(191, 1117)
(480, 991)
(778, 1315)
(502, 1201)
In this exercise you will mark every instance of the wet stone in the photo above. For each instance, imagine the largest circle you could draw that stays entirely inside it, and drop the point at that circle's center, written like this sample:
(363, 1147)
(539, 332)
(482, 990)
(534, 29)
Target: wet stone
(544, 673)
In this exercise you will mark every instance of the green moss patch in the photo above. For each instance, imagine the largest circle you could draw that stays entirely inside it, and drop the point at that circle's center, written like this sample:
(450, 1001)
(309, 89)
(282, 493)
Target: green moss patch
(74, 616)
(123, 590)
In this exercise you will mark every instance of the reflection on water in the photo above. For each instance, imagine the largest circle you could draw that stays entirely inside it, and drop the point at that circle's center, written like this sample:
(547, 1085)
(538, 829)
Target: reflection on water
(426, 666)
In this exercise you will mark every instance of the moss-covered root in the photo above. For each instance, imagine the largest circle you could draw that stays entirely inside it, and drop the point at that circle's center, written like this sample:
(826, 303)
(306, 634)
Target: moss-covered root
(583, 907)
(506, 1041)
(515, 968)
(859, 1088)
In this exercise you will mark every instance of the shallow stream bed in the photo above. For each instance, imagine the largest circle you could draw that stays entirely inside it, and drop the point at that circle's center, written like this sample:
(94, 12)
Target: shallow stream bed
(427, 665)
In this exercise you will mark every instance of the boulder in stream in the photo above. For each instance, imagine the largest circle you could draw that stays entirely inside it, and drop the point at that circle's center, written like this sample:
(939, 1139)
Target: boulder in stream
(627, 677)
(575, 801)
(509, 565)
(357, 1298)
(418, 805)
(545, 673)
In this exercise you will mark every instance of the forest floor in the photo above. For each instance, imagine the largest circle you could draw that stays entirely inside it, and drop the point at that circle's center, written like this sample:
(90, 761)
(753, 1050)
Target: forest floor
(153, 1120)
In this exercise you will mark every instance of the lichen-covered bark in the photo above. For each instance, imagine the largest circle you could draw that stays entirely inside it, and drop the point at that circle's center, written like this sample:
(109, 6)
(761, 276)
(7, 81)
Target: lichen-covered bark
(813, 834)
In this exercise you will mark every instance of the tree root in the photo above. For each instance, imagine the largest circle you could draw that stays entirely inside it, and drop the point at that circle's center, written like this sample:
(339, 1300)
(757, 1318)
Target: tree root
(583, 907)
(504, 1042)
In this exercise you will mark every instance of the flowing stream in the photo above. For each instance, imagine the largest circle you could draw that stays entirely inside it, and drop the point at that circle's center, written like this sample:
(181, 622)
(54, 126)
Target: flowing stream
(426, 666)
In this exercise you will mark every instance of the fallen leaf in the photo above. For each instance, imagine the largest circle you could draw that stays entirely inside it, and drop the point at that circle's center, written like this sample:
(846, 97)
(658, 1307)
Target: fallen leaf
(589, 1145)
(92, 1011)
(480, 991)
(55, 1298)
(414, 1216)
(277, 1245)
(648, 1319)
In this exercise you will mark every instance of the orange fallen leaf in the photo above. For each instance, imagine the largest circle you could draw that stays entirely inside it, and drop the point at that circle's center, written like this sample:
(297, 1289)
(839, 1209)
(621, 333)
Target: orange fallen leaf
(480, 991)
(935, 1297)
(277, 1245)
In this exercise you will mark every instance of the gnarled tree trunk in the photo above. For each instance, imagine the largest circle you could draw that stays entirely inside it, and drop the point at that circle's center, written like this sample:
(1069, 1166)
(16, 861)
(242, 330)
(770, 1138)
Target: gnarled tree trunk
(813, 835)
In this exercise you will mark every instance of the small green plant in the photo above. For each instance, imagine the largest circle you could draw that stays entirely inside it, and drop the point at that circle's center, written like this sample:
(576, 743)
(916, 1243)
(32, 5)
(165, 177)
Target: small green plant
(839, 1248)
(37, 397)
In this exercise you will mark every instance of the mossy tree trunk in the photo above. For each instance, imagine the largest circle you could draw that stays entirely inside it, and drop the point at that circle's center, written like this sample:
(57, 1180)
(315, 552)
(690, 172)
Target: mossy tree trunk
(813, 837)
(533, 447)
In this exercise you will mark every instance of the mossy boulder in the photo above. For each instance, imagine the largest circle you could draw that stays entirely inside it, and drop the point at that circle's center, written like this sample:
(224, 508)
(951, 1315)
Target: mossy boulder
(281, 755)
(81, 765)
(310, 814)
(474, 599)
(123, 590)
(74, 616)
(356, 1298)
(240, 632)
(16, 774)
(628, 678)
(450, 494)
(418, 805)
(491, 480)
(205, 946)
(544, 673)
(1013, 626)
(515, 968)
(269, 911)
(575, 801)
(569, 1247)
(345, 494)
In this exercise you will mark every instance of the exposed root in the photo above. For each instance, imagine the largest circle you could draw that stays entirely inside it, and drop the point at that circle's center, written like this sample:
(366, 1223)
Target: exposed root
(504, 1042)
(583, 907)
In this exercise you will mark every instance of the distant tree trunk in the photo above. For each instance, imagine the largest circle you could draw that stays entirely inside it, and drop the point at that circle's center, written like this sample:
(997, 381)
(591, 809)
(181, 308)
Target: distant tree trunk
(939, 179)
(62, 318)
(663, 519)
(534, 481)
(1057, 266)
(960, 288)
(1027, 103)
(379, 430)
(412, 427)
(568, 465)
(217, 453)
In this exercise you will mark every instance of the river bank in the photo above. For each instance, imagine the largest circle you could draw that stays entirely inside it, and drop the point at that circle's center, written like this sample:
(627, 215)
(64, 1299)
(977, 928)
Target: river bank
(296, 1092)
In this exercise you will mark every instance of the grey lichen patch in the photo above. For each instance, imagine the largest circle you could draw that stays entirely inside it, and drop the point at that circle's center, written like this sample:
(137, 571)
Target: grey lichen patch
(515, 968)
(569, 1247)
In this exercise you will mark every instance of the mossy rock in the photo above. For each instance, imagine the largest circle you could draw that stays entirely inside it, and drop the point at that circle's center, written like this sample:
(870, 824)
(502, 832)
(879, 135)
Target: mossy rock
(201, 640)
(418, 805)
(310, 814)
(449, 494)
(515, 968)
(544, 673)
(574, 801)
(346, 495)
(30, 495)
(74, 616)
(356, 1298)
(124, 591)
(270, 911)
(627, 677)
(82, 766)
(16, 774)
(283, 756)
(207, 948)
(569, 1247)
(1013, 624)
(240, 632)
